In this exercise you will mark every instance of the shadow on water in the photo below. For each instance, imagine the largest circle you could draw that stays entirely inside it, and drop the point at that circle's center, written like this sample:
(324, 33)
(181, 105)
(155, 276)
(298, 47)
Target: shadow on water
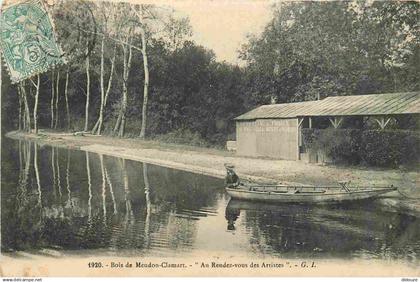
(69, 200)
(357, 229)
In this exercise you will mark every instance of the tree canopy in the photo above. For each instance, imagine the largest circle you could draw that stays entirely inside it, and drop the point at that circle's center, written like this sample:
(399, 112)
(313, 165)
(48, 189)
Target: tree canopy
(307, 51)
(310, 50)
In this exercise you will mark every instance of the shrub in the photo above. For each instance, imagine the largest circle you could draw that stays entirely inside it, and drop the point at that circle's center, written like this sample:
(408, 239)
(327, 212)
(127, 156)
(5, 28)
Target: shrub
(218, 140)
(342, 146)
(308, 137)
(389, 148)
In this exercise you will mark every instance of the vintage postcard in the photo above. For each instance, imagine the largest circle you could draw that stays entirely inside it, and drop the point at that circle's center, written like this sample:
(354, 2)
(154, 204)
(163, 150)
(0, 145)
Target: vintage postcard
(210, 138)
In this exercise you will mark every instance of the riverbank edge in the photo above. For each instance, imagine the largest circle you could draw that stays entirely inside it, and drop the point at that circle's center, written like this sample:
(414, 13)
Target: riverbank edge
(133, 148)
(56, 139)
(95, 144)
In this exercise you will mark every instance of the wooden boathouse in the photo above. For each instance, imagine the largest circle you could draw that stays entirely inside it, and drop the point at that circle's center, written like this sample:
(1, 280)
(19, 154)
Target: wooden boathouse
(275, 130)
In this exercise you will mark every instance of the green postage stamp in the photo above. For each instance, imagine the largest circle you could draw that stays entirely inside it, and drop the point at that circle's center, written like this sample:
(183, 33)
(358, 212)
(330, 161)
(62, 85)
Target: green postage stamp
(27, 40)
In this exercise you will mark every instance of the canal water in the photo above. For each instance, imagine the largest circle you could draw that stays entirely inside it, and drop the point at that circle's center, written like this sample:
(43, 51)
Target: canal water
(77, 202)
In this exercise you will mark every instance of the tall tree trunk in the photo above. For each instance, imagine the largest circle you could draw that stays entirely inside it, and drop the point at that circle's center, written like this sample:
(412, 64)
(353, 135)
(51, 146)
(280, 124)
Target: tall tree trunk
(146, 74)
(27, 111)
(125, 92)
(117, 127)
(52, 98)
(124, 110)
(57, 97)
(101, 107)
(36, 104)
(20, 121)
(117, 123)
(20, 94)
(87, 90)
(146, 85)
(27, 124)
(101, 110)
(97, 129)
(111, 74)
(67, 99)
(120, 125)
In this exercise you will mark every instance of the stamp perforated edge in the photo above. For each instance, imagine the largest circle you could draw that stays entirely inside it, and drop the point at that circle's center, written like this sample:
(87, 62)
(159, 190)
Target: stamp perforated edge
(48, 66)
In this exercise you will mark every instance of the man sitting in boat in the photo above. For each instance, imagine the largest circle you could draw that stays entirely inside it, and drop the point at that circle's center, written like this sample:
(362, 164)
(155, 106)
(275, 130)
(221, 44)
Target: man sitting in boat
(232, 180)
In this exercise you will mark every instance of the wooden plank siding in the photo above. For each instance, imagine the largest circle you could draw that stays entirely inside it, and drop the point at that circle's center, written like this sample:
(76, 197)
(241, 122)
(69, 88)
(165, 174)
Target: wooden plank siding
(246, 139)
(276, 138)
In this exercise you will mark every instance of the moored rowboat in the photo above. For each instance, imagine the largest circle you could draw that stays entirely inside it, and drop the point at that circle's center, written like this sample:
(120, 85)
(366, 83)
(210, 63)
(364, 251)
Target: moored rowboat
(298, 194)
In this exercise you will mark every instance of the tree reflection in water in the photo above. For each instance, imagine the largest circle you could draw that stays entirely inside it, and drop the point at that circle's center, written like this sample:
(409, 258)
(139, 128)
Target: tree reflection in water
(38, 181)
(132, 208)
(57, 163)
(101, 158)
(89, 182)
(69, 203)
(148, 206)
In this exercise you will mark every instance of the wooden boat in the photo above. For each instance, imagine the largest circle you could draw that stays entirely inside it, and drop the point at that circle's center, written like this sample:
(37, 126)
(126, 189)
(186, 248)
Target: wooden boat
(298, 193)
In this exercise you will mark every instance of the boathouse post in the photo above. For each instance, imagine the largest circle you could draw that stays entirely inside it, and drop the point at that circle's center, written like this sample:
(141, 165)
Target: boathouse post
(383, 122)
(299, 137)
(336, 121)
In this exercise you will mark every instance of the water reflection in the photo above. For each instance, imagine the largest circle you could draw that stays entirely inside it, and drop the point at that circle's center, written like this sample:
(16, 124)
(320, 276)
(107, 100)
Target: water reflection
(148, 205)
(77, 200)
(73, 200)
(69, 203)
(89, 184)
(332, 230)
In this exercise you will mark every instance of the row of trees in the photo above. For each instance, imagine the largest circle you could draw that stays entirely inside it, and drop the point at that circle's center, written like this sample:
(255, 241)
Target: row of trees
(311, 50)
(133, 69)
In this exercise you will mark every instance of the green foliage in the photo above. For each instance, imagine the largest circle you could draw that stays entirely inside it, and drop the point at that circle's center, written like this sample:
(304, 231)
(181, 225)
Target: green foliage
(381, 148)
(390, 148)
(318, 49)
(308, 50)
(194, 91)
(341, 145)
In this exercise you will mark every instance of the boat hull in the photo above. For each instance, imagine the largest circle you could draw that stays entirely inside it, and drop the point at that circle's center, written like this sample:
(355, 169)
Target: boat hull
(334, 196)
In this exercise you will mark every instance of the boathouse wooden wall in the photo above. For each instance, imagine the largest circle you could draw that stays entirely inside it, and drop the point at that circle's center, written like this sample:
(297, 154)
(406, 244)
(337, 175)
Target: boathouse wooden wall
(246, 138)
(276, 138)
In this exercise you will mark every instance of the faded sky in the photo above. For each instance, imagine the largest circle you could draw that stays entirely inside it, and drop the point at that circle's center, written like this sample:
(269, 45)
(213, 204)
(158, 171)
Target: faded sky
(222, 25)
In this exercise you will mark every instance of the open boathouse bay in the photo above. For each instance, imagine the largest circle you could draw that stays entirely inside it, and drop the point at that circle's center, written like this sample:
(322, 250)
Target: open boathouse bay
(70, 201)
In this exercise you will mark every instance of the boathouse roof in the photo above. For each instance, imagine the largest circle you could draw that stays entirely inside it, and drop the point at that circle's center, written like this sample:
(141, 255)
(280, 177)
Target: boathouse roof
(354, 105)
